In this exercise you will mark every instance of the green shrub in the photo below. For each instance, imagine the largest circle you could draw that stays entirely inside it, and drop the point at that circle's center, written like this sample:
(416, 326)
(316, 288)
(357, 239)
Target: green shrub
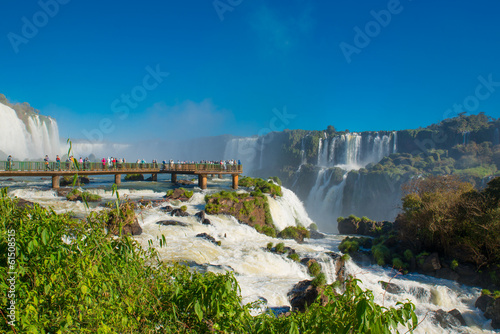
(421, 257)
(349, 245)
(339, 219)
(397, 263)
(171, 191)
(345, 257)
(314, 268)
(381, 254)
(269, 246)
(294, 232)
(280, 248)
(294, 256)
(408, 254)
(319, 280)
(183, 208)
(454, 264)
(313, 227)
(486, 292)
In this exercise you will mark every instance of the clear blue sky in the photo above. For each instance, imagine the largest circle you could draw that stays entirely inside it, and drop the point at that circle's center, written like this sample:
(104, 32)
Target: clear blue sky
(229, 67)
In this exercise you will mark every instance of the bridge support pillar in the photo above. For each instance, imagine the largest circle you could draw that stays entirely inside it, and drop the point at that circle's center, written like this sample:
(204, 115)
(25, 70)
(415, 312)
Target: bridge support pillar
(55, 181)
(118, 179)
(173, 178)
(235, 181)
(220, 176)
(154, 177)
(202, 181)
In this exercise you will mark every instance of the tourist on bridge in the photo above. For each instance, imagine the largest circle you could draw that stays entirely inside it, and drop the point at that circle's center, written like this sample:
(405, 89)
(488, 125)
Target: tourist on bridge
(46, 159)
(9, 162)
(103, 163)
(58, 162)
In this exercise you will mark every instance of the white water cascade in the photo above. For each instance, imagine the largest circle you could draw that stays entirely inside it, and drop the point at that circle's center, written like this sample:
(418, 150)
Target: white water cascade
(247, 150)
(32, 137)
(350, 151)
(269, 276)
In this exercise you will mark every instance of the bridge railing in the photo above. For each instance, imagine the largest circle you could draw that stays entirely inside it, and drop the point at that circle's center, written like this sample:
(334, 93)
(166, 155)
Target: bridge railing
(37, 166)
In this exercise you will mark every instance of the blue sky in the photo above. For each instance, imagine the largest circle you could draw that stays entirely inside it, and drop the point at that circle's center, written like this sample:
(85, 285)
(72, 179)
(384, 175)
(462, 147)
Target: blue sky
(126, 71)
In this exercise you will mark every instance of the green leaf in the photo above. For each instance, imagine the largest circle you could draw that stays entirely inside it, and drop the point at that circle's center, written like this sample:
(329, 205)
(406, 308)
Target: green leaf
(84, 289)
(198, 311)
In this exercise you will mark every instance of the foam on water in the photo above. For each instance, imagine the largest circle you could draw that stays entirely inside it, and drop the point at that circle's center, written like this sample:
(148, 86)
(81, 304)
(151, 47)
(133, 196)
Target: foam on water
(265, 275)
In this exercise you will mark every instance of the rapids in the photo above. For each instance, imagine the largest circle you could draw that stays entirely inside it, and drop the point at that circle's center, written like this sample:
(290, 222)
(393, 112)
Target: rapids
(261, 274)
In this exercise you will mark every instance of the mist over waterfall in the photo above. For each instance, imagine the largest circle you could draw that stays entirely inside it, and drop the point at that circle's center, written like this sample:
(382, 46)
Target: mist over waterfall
(27, 135)
(337, 156)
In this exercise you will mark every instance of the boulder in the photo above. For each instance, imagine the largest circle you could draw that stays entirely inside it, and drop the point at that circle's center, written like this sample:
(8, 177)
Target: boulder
(456, 313)
(22, 203)
(209, 238)
(302, 294)
(316, 235)
(179, 213)
(445, 319)
(347, 226)
(167, 208)
(493, 312)
(391, 287)
(171, 223)
(431, 263)
(127, 218)
(184, 182)
(483, 302)
(200, 215)
(206, 222)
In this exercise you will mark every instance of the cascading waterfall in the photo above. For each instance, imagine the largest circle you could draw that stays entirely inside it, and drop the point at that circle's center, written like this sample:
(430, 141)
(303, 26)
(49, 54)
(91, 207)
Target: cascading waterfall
(349, 151)
(30, 137)
(246, 150)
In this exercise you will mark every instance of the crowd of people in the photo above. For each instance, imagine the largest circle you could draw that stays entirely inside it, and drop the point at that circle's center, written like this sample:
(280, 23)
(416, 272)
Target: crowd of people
(113, 162)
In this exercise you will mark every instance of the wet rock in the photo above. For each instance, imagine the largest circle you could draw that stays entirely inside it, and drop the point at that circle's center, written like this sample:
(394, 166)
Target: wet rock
(209, 238)
(184, 182)
(127, 219)
(493, 313)
(302, 294)
(206, 222)
(179, 213)
(391, 287)
(63, 192)
(445, 319)
(201, 215)
(167, 208)
(68, 181)
(456, 313)
(420, 293)
(347, 226)
(483, 302)
(316, 235)
(171, 223)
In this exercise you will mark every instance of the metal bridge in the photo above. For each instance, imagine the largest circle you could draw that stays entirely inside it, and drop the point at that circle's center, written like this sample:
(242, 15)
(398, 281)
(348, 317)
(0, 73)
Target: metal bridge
(58, 169)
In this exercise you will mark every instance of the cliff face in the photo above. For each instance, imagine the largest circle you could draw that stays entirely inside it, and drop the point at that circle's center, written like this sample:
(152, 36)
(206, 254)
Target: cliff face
(339, 173)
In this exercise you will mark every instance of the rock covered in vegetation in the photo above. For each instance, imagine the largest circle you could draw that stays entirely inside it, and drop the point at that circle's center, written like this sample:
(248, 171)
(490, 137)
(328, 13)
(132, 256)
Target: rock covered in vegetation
(179, 213)
(77, 195)
(298, 233)
(68, 181)
(180, 194)
(125, 217)
(362, 226)
(263, 186)
(134, 177)
(250, 209)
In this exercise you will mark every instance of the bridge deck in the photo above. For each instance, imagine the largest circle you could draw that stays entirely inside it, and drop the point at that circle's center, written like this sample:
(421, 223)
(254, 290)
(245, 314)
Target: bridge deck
(56, 170)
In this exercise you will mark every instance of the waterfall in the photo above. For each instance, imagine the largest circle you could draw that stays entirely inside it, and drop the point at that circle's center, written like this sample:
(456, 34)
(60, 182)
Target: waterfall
(245, 149)
(30, 136)
(350, 151)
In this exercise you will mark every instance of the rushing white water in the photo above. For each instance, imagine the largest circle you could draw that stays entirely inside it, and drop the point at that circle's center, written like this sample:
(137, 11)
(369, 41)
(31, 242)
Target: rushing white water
(350, 151)
(34, 137)
(262, 274)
